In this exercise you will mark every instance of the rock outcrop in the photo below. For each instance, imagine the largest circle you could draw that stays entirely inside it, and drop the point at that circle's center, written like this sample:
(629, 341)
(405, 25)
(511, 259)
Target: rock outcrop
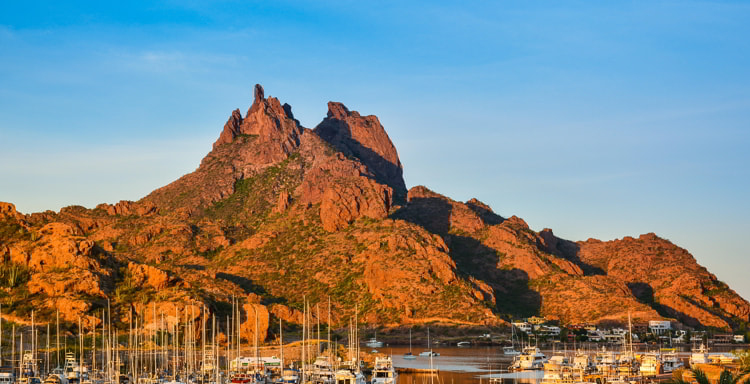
(276, 213)
(365, 138)
(7, 210)
(342, 204)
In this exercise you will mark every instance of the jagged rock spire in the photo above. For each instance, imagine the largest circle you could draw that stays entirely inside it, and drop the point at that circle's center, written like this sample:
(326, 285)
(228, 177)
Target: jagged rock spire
(365, 138)
(259, 94)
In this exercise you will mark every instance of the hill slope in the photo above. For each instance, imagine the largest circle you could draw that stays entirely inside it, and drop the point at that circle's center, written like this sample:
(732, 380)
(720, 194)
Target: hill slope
(277, 212)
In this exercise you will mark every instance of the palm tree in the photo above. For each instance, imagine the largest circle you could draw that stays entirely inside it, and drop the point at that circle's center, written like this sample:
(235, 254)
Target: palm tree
(726, 377)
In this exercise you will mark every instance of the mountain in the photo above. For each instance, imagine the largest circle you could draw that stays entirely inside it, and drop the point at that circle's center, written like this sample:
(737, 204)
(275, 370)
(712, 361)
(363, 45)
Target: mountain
(277, 213)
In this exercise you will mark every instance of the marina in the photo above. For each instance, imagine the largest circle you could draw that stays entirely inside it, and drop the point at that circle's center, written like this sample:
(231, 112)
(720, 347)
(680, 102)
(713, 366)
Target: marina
(194, 353)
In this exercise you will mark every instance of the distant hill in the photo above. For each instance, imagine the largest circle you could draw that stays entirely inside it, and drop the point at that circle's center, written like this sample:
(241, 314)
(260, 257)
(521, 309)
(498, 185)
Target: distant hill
(277, 212)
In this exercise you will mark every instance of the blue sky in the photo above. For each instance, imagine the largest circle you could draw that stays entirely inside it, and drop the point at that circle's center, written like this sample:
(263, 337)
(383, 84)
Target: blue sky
(595, 119)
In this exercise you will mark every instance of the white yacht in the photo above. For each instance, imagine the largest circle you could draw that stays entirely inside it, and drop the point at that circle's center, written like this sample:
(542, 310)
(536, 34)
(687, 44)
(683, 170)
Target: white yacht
(384, 372)
(345, 376)
(670, 362)
(374, 342)
(651, 364)
(582, 362)
(531, 358)
(429, 353)
(289, 376)
(322, 370)
(699, 356)
(6, 377)
(74, 373)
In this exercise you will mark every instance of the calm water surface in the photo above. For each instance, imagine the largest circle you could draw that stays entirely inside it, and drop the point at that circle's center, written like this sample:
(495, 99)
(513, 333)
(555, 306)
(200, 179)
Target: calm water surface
(459, 366)
(476, 365)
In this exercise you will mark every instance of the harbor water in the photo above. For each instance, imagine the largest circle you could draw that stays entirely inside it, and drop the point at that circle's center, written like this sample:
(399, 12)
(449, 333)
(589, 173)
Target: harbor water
(458, 366)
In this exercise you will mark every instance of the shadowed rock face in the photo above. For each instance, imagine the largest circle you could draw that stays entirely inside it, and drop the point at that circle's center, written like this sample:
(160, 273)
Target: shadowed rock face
(276, 212)
(364, 138)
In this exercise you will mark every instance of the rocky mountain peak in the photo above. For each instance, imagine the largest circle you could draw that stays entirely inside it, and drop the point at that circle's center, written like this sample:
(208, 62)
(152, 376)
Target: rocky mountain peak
(267, 119)
(337, 111)
(7, 209)
(274, 201)
(364, 138)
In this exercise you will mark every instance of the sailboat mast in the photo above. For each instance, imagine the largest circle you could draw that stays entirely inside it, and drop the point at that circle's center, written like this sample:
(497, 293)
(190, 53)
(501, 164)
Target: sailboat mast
(257, 355)
(46, 357)
(281, 345)
(203, 342)
(13, 349)
(229, 345)
(304, 323)
(33, 346)
(214, 349)
(80, 355)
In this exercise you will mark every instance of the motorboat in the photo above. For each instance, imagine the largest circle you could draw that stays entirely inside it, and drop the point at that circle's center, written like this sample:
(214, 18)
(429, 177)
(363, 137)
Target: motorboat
(699, 356)
(531, 358)
(651, 364)
(289, 376)
(383, 372)
(582, 362)
(670, 362)
(374, 342)
(345, 376)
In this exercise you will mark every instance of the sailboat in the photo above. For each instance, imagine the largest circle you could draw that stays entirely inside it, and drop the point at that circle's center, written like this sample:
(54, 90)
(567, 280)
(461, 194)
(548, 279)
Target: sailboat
(409, 355)
(430, 352)
(374, 343)
(511, 351)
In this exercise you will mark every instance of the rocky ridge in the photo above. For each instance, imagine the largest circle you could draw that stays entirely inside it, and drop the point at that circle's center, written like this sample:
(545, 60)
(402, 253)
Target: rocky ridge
(277, 212)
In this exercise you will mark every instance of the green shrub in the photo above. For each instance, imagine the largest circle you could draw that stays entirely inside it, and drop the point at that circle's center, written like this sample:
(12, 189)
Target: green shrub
(13, 274)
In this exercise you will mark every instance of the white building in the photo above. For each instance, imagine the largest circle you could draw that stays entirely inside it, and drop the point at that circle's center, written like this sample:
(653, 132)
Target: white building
(594, 335)
(659, 327)
(680, 336)
(523, 326)
(549, 330)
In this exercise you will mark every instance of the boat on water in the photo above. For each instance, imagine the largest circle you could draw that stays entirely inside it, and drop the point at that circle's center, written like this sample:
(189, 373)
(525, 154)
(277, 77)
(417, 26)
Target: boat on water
(345, 376)
(606, 362)
(289, 376)
(249, 371)
(430, 352)
(531, 358)
(559, 370)
(383, 372)
(321, 371)
(29, 380)
(74, 373)
(651, 364)
(670, 362)
(248, 378)
(582, 362)
(409, 355)
(55, 378)
(463, 344)
(374, 342)
(510, 351)
(699, 356)
(6, 375)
